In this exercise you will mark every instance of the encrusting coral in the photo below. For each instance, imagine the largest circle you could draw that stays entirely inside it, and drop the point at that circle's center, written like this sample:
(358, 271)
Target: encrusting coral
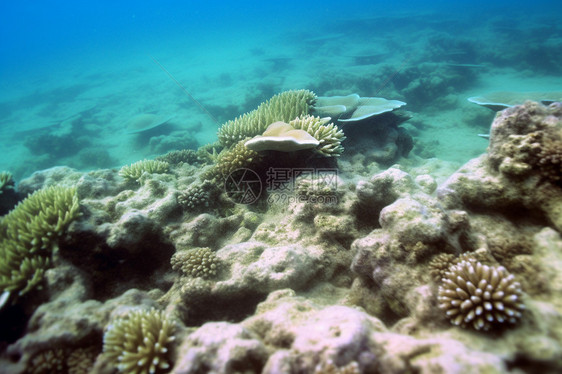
(199, 262)
(139, 343)
(479, 295)
(28, 235)
(134, 171)
(284, 106)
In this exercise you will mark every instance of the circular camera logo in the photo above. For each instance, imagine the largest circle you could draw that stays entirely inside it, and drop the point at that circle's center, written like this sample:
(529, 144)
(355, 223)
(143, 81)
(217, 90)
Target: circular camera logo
(243, 186)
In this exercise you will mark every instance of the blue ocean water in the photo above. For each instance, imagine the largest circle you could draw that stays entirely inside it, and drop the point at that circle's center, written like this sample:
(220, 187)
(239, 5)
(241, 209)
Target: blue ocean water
(73, 74)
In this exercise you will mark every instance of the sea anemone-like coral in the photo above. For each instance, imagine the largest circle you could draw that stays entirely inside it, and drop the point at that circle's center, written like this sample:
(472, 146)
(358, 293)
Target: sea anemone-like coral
(284, 106)
(479, 295)
(29, 233)
(328, 134)
(134, 171)
(6, 181)
(199, 262)
(140, 342)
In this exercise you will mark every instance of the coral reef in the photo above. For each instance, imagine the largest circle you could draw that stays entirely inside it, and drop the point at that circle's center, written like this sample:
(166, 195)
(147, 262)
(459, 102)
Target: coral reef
(140, 342)
(285, 107)
(480, 295)
(365, 269)
(134, 171)
(197, 262)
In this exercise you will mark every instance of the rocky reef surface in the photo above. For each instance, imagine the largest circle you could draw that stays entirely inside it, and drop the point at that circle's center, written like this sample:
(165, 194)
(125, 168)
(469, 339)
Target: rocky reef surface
(352, 280)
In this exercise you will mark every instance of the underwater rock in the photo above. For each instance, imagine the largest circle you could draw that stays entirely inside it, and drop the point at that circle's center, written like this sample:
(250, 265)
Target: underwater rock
(511, 178)
(220, 347)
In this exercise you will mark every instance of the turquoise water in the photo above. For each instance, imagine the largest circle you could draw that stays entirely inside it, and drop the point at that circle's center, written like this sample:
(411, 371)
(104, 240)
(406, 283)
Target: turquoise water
(74, 74)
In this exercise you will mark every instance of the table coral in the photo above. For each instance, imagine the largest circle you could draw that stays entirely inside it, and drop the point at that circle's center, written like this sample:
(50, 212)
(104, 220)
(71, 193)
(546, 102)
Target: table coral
(139, 343)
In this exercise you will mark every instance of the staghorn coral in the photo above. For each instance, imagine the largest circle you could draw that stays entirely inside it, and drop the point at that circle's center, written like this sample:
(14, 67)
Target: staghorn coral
(28, 235)
(134, 171)
(480, 295)
(284, 106)
(329, 135)
(140, 342)
(199, 262)
(6, 181)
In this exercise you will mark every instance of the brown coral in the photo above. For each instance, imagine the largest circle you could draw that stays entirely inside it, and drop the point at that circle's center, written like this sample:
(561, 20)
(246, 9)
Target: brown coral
(480, 295)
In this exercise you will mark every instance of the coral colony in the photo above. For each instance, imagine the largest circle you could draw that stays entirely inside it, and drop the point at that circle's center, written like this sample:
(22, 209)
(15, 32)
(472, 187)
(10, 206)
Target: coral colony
(294, 244)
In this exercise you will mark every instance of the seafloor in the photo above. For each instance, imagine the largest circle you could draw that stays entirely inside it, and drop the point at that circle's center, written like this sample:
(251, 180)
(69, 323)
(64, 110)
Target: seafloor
(421, 248)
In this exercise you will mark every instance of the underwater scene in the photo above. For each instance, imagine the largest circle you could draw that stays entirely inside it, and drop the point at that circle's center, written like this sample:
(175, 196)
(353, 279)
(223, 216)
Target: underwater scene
(307, 187)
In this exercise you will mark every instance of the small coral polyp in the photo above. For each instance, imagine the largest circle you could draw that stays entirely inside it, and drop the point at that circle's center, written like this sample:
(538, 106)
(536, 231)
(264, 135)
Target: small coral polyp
(139, 343)
(480, 296)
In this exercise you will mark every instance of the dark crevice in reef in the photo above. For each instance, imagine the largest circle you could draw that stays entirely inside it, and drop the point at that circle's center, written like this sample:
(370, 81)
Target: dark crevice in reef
(115, 270)
(233, 310)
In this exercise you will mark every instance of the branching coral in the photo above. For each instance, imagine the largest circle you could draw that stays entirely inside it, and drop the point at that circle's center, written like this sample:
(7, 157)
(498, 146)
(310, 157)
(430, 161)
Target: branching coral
(197, 196)
(231, 159)
(29, 233)
(199, 262)
(134, 171)
(480, 295)
(285, 107)
(329, 135)
(140, 342)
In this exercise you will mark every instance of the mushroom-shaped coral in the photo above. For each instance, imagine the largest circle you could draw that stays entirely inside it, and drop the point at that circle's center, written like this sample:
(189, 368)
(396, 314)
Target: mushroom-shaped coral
(134, 171)
(199, 262)
(280, 136)
(480, 295)
(139, 343)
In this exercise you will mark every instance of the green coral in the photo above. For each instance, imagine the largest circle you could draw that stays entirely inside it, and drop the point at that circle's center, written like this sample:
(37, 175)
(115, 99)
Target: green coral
(188, 156)
(198, 262)
(230, 160)
(134, 171)
(28, 235)
(329, 135)
(284, 106)
(6, 181)
(198, 196)
(140, 342)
